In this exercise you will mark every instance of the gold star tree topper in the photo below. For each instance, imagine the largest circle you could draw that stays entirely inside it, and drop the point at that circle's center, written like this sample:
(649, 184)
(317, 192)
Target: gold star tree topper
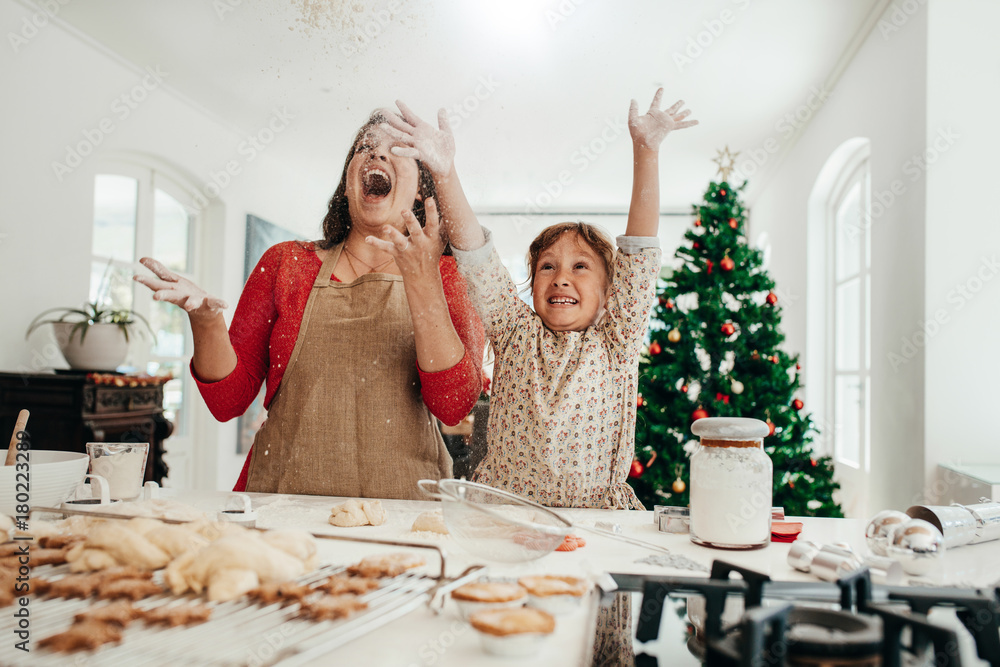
(726, 162)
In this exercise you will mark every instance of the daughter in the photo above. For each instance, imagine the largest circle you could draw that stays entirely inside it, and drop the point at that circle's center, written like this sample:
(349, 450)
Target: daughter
(562, 412)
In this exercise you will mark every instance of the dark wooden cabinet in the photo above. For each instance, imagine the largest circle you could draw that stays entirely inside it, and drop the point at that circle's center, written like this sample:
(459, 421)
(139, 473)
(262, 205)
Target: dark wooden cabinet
(68, 411)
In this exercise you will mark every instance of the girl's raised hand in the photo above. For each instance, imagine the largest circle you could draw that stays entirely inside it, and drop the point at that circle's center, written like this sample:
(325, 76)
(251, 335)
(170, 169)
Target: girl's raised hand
(179, 291)
(414, 138)
(421, 250)
(649, 130)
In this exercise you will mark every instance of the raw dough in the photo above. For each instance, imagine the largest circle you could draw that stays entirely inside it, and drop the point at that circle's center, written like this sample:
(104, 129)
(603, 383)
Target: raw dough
(126, 546)
(294, 542)
(349, 514)
(358, 513)
(175, 539)
(431, 521)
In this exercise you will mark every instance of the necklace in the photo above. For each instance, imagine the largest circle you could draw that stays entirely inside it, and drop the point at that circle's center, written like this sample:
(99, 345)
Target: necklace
(371, 269)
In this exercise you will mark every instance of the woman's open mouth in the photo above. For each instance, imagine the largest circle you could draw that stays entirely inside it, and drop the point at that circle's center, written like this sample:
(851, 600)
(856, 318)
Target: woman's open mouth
(375, 183)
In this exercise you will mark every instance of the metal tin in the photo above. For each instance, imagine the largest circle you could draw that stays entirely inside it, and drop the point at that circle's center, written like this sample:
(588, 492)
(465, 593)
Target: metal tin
(675, 520)
(987, 521)
(956, 523)
(801, 554)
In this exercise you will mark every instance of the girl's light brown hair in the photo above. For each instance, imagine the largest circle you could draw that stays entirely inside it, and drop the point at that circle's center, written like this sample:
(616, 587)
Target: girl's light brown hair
(593, 236)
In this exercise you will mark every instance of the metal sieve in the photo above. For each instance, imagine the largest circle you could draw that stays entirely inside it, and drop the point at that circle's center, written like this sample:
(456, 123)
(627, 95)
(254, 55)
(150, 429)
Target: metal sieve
(500, 526)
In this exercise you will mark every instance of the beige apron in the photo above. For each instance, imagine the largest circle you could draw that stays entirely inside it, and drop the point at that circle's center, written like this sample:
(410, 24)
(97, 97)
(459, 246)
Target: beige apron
(348, 418)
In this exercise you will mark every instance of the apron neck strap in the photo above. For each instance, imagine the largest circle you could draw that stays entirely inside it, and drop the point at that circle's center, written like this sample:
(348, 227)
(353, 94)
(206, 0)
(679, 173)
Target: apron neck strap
(325, 276)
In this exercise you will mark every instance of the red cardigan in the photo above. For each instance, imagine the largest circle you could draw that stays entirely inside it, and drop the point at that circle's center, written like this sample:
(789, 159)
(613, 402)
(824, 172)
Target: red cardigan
(266, 325)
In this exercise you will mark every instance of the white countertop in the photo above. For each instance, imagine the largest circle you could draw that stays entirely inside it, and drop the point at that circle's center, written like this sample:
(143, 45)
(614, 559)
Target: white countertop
(426, 638)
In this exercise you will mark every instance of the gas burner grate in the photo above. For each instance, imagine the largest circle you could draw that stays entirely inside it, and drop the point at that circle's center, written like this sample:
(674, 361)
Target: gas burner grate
(885, 626)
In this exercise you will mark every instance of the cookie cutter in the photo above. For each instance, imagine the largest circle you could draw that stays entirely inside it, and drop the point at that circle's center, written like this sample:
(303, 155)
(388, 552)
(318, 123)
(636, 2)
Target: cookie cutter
(239, 510)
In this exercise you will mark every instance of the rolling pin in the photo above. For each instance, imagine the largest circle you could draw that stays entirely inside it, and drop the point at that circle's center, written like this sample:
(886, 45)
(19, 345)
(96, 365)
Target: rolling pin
(22, 421)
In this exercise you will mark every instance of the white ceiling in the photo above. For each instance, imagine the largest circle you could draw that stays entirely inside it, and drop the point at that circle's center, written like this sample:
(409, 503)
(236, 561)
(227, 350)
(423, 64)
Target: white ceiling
(559, 78)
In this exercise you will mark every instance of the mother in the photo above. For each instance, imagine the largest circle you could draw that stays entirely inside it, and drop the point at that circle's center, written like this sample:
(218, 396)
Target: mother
(359, 344)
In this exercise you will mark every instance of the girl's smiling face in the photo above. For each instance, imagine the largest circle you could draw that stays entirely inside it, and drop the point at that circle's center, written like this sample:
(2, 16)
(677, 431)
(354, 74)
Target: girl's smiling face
(570, 289)
(380, 185)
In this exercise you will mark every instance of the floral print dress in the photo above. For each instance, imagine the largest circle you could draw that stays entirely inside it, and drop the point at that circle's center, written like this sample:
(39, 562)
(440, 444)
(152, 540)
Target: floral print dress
(563, 408)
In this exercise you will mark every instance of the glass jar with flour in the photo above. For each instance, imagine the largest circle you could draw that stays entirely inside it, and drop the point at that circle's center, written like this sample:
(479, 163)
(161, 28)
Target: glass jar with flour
(730, 484)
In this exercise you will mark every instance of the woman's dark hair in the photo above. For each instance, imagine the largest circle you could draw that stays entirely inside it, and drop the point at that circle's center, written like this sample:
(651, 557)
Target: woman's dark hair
(337, 222)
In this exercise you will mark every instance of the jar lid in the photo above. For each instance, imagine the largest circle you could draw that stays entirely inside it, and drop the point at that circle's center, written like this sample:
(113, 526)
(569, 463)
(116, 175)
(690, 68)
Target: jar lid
(730, 428)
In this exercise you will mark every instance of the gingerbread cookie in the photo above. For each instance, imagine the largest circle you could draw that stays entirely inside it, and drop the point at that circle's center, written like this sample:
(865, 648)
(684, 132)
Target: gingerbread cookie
(173, 617)
(339, 584)
(331, 608)
(132, 589)
(121, 613)
(386, 565)
(84, 636)
(286, 593)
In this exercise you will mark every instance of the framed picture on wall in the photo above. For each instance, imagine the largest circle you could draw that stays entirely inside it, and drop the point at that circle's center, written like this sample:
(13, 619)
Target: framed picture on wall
(261, 235)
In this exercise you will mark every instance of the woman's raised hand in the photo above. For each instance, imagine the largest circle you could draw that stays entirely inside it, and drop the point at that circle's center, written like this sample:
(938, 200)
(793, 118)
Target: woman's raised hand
(418, 252)
(415, 138)
(175, 289)
(650, 129)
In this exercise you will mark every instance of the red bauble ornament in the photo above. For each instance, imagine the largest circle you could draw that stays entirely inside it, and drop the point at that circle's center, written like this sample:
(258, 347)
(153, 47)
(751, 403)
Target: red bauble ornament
(695, 245)
(722, 192)
(700, 413)
(727, 264)
(798, 367)
(772, 298)
(669, 304)
(722, 397)
(684, 388)
(697, 222)
(797, 404)
(774, 359)
(728, 329)
(709, 264)
(654, 348)
(813, 462)
(638, 401)
(637, 469)
(770, 427)
(733, 223)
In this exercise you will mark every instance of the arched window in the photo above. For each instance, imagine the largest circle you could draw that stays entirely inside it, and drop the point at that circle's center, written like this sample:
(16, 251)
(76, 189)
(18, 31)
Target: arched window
(144, 209)
(839, 316)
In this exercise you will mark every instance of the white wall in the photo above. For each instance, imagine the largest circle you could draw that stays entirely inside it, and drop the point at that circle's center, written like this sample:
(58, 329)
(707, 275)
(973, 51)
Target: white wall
(58, 86)
(881, 96)
(963, 236)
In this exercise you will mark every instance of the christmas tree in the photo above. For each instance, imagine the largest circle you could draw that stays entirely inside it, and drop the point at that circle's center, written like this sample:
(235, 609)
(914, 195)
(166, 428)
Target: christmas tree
(714, 352)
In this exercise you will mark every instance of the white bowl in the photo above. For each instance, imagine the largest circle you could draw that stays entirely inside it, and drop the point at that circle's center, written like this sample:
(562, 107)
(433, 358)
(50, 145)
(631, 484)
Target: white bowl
(467, 608)
(53, 478)
(513, 646)
(557, 605)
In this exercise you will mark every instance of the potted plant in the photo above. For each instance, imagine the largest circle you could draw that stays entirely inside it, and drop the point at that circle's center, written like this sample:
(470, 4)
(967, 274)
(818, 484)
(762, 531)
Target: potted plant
(95, 337)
